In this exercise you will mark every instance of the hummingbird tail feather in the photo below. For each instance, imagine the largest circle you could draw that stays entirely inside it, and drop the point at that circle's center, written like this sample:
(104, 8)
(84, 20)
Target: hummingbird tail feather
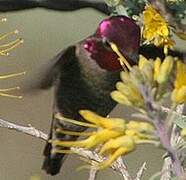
(52, 162)
(54, 154)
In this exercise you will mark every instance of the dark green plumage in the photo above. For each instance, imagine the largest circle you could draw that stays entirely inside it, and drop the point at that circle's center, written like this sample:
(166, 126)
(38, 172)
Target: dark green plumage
(80, 83)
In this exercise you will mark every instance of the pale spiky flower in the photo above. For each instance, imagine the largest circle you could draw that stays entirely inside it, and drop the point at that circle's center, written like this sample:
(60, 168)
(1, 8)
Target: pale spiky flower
(5, 92)
(4, 51)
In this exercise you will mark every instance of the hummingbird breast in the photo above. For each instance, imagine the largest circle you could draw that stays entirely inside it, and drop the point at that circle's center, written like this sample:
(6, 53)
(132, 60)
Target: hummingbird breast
(83, 84)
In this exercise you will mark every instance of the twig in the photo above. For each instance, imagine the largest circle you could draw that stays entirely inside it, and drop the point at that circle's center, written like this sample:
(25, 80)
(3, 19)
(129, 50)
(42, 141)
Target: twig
(29, 130)
(117, 166)
(175, 140)
(32, 131)
(155, 115)
(141, 171)
(180, 109)
(93, 173)
(166, 169)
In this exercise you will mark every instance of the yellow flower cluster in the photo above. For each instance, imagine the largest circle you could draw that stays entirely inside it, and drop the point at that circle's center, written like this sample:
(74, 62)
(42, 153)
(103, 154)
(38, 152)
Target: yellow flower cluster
(163, 69)
(127, 92)
(156, 29)
(179, 92)
(116, 136)
(148, 73)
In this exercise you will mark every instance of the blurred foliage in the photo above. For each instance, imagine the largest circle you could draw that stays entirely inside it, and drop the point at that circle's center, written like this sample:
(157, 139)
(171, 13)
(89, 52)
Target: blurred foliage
(135, 7)
(178, 9)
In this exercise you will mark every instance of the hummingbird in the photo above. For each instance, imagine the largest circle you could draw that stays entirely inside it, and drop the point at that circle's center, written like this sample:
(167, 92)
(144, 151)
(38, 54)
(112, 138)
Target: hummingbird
(84, 75)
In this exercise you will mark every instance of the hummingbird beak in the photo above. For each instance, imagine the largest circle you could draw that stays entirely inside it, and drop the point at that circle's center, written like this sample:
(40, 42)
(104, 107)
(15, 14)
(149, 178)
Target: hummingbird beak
(128, 53)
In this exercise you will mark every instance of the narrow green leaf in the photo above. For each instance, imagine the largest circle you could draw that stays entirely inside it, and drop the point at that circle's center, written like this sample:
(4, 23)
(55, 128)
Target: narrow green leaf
(180, 121)
(112, 3)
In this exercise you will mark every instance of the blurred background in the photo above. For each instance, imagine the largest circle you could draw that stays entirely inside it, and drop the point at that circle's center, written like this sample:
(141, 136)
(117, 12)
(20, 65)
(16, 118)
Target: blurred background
(45, 33)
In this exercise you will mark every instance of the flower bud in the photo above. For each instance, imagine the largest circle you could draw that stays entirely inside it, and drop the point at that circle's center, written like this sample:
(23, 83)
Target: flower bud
(165, 69)
(179, 95)
(120, 98)
(108, 123)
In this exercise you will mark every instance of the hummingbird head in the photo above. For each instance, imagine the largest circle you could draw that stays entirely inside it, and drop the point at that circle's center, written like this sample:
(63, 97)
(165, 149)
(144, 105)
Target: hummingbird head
(120, 30)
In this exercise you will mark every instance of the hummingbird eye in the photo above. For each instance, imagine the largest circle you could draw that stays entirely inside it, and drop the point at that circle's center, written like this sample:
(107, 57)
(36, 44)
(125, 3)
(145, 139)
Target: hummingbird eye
(106, 43)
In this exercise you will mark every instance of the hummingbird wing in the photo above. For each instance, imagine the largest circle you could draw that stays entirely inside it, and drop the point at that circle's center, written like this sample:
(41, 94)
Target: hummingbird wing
(45, 76)
(60, 5)
(62, 59)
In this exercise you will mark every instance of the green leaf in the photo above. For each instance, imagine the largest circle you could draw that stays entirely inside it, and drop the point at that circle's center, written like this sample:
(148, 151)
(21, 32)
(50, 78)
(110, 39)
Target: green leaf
(121, 10)
(180, 121)
(174, 178)
(112, 3)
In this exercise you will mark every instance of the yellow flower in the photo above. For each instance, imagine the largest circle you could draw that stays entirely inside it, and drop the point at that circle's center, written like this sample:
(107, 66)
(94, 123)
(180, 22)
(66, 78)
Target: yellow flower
(136, 132)
(107, 128)
(155, 28)
(115, 148)
(98, 137)
(183, 132)
(140, 130)
(157, 65)
(120, 98)
(143, 61)
(140, 126)
(148, 74)
(163, 70)
(116, 136)
(103, 122)
(127, 93)
(179, 92)
(146, 67)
